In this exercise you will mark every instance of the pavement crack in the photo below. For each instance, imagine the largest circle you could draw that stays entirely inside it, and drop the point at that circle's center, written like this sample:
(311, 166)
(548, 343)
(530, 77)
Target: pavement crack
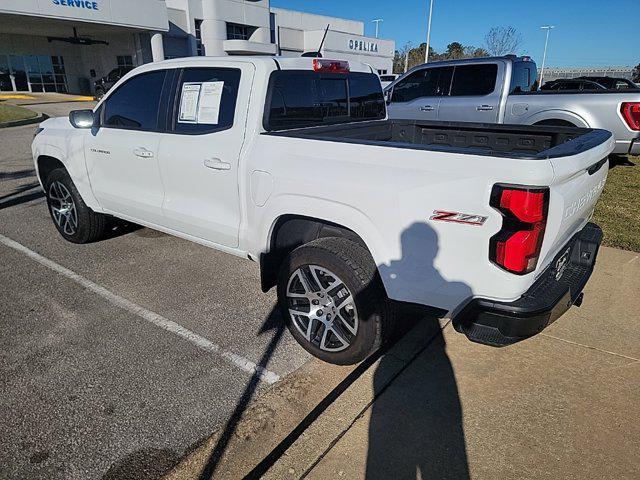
(591, 347)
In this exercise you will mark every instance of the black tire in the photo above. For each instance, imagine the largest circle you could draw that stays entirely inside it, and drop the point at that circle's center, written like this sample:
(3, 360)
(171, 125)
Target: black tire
(99, 94)
(88, 226)
(355, 268)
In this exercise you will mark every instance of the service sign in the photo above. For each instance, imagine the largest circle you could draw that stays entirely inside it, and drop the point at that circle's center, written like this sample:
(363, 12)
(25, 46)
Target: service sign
(85, 4)
(138, 14)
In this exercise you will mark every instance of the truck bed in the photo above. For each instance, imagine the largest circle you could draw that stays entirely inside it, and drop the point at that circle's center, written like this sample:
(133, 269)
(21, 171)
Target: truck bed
(513, 141)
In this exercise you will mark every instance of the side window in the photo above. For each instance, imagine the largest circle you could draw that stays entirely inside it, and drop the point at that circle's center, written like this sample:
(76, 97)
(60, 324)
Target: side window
(475, 80)
(134, 105)
(522, 78)
(205, 100)
(428, 82)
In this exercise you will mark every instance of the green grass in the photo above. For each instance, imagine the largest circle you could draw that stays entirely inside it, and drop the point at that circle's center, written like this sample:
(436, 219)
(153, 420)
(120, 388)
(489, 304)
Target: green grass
(618, 211)
(11, 113)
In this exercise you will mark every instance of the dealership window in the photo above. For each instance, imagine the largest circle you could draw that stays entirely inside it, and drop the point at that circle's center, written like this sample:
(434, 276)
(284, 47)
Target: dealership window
(235, 31)
(135, 104)
(206, 100)
(198, 30)
(272, 27)
(125, 61)
(46, 73)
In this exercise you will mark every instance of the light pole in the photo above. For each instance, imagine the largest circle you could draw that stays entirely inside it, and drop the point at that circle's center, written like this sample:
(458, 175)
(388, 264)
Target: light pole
(426, 53)
(544, 55)
(377, 22)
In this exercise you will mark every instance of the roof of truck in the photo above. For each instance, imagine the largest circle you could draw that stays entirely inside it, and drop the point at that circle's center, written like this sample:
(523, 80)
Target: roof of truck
(284, 63)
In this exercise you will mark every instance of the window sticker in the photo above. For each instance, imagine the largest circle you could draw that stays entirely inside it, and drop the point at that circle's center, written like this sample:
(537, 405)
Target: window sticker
(189, 103)
(200, 102)
(209, 105)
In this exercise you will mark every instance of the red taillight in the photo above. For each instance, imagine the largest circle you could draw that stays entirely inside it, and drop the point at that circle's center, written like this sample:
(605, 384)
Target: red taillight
(516, 247)
(331, 66)
(631, 114)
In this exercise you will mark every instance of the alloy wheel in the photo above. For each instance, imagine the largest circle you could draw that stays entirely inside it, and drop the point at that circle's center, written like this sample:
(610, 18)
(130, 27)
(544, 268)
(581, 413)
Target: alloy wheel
(322, 308)
(63, 208)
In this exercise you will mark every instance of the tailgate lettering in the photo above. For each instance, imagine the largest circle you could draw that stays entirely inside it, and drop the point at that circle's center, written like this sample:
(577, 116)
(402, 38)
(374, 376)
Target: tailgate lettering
(578, 204)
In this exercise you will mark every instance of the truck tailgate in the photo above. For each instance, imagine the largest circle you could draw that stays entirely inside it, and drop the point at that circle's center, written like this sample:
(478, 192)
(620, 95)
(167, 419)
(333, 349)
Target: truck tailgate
(577, 185)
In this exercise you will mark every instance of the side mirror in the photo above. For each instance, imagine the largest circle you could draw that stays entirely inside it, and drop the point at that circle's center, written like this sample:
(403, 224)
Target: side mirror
(387, 95)
(82, 118)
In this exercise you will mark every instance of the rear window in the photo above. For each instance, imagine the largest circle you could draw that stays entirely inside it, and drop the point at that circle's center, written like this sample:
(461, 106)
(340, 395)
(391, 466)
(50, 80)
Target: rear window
(305, 99)
(474, 80)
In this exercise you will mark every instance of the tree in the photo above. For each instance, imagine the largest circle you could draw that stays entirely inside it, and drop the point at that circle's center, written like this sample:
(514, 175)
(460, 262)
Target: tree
(636, 73)
(503, 40)
(473, 52)
(455, 50)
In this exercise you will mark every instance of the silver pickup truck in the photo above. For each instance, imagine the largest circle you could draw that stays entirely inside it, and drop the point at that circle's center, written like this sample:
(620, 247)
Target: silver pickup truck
(503, 90)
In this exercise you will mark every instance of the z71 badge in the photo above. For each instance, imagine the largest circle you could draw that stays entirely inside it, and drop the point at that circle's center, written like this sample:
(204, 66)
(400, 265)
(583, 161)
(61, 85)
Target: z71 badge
(457, 217)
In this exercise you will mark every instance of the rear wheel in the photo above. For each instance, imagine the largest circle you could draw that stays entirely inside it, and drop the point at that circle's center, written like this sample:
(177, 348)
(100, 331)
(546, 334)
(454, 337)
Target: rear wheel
(75, 221)
(330, 293)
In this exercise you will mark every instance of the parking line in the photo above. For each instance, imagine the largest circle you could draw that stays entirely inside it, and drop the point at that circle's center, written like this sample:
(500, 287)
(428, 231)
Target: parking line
(148, 315)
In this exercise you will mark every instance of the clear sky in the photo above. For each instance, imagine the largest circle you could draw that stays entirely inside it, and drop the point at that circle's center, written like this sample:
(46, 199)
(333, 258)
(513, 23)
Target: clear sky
(587, 33)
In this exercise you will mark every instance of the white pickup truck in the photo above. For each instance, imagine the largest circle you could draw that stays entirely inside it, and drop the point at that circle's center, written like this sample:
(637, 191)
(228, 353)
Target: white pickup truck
(292, 162)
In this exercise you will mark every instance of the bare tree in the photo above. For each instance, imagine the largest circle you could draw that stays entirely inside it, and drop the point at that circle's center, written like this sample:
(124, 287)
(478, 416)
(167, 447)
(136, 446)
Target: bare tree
(503, 40)
(636, 73)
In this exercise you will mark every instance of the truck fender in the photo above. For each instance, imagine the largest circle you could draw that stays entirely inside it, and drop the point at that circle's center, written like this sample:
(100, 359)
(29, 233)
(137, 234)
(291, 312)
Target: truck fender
(77, 171)
(316, 209)
(556, 114)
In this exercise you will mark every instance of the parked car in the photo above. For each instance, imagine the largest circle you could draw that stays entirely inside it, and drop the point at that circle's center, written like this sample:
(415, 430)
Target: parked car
(572, 84)
(387, 79)
(612, 83)
(502, 90)
(293, 163)
(103, 84)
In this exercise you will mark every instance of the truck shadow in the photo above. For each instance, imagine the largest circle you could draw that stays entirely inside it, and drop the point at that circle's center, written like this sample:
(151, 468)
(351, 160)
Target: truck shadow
(415, 427)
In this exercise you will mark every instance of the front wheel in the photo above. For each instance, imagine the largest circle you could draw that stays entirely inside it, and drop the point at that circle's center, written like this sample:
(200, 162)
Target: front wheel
(333, 299)
(75, 221)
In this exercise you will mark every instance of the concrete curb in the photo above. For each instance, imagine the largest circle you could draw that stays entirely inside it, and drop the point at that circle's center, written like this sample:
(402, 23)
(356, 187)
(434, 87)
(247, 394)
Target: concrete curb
(27, 121)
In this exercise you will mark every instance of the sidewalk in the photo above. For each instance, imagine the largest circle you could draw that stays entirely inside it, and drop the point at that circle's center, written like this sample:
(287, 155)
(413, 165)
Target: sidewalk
(562, 405)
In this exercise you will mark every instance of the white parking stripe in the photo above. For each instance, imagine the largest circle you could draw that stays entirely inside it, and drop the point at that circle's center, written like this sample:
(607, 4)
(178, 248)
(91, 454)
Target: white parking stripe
(148, 315)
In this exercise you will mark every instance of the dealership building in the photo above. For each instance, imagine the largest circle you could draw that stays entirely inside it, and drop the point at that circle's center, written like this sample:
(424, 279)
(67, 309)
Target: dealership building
(64, 45)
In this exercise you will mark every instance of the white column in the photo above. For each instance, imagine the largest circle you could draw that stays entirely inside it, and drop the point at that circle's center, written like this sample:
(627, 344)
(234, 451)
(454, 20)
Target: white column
(214, 33)
(157, 47)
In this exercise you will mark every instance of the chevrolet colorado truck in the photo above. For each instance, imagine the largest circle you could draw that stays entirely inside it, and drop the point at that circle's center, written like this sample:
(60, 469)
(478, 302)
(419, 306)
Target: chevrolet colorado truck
(293, 163)
(503, 90)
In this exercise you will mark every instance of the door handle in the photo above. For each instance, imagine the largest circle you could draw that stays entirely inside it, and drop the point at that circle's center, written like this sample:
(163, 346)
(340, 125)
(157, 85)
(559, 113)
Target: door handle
(143, 152)
(427, 108)
(481, 108)
(216, 164)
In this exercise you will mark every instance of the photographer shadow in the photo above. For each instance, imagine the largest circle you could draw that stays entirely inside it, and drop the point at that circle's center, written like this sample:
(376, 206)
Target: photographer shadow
(415, 428)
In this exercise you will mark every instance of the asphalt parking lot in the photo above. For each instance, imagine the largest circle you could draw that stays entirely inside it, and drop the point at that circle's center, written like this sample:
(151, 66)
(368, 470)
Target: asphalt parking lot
(94, 386)
(124, 358)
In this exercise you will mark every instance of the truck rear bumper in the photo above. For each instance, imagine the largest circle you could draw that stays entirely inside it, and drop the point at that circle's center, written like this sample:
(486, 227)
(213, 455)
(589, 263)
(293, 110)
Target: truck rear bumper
(627, 147)
(553, 293)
